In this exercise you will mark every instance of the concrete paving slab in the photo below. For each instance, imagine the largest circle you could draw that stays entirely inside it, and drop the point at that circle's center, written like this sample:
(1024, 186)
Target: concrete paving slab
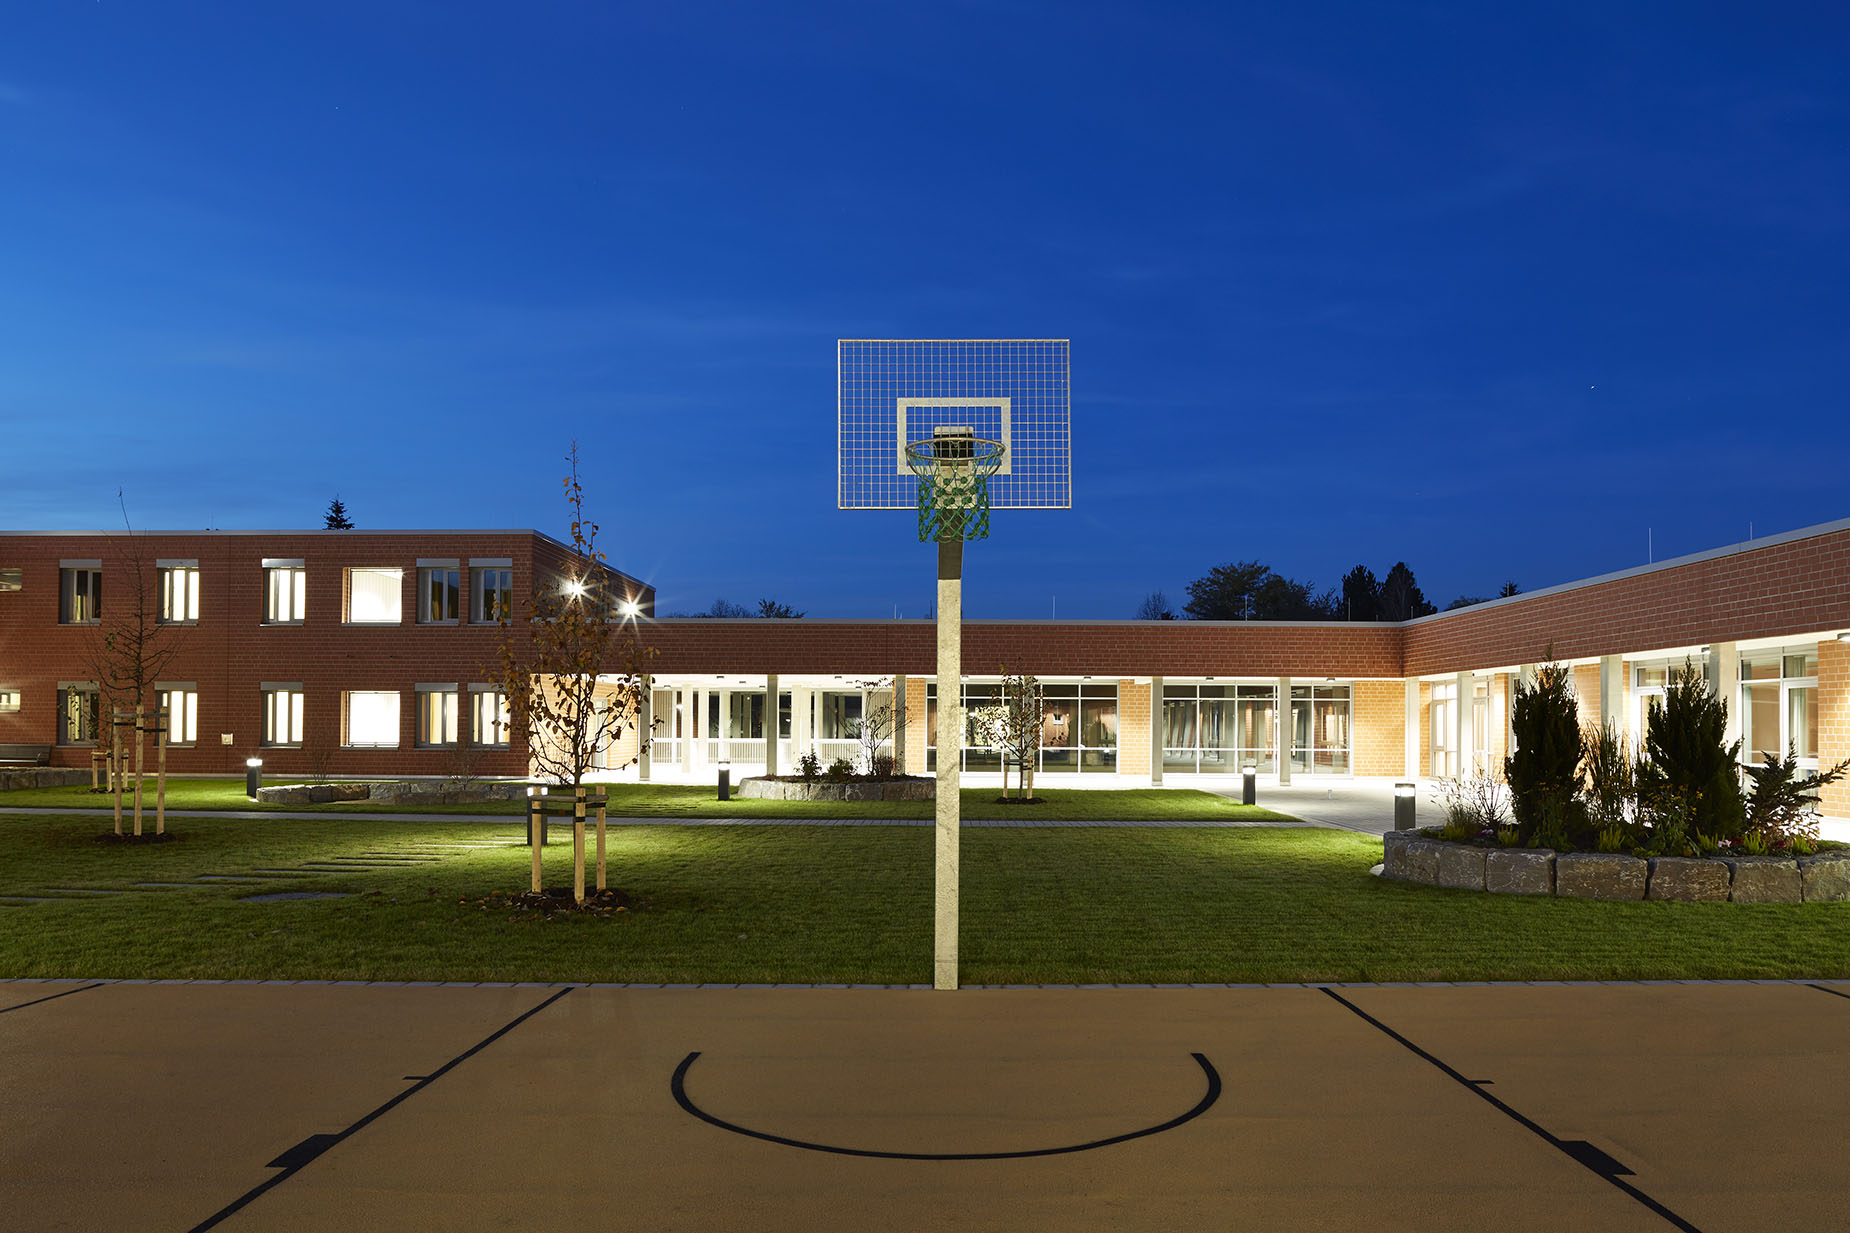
(1726, 1099)
(149, 1106)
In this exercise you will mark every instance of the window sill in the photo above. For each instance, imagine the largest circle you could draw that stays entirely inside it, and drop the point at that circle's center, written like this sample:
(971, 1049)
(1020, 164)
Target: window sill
(393, 746)
(437, 624)
(163, 624)
(372, 624)
(287, 745)
(282, 623)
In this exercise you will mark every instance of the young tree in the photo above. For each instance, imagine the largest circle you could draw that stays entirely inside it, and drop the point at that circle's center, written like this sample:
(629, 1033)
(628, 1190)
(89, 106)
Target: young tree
(130, 648)
(337, 516)
(1019, 727)
(1691, 775)
(574, 675)
(1155, 607)
(1783, 803)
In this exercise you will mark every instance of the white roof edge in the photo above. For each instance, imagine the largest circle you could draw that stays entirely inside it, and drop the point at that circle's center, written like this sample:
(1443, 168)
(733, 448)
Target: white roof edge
(1710, 554)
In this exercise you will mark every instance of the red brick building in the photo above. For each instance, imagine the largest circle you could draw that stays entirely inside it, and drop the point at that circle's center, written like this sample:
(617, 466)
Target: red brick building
(371, 652)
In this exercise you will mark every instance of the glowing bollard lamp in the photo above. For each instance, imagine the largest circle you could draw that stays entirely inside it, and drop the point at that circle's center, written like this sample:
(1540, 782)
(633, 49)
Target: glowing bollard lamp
(253, 776)
(725, 780)
(1404, 803)
(1249, 784)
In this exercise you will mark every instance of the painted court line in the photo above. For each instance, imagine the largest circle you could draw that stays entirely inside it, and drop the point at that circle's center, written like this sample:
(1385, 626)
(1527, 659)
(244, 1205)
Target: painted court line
(678, 1086)
(35, 1001)
(302, 1154)
(1578, 1150)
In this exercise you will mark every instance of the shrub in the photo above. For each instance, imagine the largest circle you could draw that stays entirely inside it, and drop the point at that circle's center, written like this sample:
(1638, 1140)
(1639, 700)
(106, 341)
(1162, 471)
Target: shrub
(1783, 808)
(883, 765)
(1544, 770)
(840, 770)
(1473, 805)
(809, 766)
(1689, 776)
(1611, 776)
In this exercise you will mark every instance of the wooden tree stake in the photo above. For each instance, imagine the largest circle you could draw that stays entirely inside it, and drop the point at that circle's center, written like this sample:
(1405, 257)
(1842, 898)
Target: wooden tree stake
(536, 809)
(160, 776)
(140, 748)
(602, 807)
(578, 845)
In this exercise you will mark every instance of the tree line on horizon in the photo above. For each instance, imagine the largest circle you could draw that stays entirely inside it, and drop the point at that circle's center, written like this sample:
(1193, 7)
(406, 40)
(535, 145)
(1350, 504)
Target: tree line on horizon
(1254, 591)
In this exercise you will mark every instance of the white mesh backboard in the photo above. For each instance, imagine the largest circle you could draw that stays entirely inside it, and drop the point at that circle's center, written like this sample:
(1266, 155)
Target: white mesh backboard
(1012, 390)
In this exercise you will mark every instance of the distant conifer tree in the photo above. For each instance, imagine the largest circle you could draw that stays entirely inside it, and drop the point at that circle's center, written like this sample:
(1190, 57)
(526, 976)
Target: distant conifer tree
(337, 516)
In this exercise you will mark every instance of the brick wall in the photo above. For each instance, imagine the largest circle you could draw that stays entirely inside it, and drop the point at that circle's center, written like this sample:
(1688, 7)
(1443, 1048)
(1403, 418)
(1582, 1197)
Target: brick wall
(1133, 728)
(1834, 721)
(1379, 727)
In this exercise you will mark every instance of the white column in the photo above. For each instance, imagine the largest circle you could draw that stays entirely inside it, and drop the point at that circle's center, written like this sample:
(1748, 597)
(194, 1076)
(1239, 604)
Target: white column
(1284, 731)
(1415, 724)
(899, 723)
(1461, 722)
(697, 730)
(1612, 692)
(645, 713)
(1725, 681)
(1156, 732)
(801, 738)
(770, 724)
(950, 743)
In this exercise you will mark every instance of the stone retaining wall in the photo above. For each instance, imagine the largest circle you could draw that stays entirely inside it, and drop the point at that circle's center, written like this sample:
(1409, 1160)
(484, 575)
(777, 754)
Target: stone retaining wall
(398, 791)
(41, 777)
(764, 788)
(1409, 856)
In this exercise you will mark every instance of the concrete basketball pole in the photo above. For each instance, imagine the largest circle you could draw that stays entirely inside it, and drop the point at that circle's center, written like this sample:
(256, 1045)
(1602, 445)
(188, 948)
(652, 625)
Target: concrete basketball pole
(950, 738)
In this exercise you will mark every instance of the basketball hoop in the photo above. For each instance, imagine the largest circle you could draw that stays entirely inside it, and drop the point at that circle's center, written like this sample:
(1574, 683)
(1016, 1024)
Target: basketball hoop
(953, 468)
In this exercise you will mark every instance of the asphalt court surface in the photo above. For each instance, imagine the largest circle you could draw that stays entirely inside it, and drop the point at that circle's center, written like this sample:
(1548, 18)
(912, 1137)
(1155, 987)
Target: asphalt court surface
(169, 1106)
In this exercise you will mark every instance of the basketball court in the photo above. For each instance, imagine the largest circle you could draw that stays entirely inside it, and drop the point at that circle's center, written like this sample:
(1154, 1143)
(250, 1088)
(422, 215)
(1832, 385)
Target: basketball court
(269, 1106)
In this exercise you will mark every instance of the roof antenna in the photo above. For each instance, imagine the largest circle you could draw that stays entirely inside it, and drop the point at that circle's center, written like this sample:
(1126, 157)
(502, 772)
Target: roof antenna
(1650, 550)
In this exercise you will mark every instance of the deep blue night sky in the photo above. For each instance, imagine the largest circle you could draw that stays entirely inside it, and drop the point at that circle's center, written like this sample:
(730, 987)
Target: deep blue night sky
(1490, 288)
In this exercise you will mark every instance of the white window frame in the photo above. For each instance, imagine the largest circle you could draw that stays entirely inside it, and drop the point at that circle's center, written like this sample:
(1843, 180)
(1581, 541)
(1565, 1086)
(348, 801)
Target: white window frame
(68, 594)
(288, 703)
(179, 580)
(451, 722)
(489, 713)
(285, 593)
(480, 572)
(183, 717)
(346, 718)
(397, 575)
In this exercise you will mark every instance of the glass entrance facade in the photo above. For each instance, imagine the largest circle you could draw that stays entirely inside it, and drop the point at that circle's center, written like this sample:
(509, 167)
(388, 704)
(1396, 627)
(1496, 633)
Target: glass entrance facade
(1219, 729)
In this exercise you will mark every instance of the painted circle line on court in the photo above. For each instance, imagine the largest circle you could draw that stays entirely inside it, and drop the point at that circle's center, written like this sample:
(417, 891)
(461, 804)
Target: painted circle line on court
(678, 1085)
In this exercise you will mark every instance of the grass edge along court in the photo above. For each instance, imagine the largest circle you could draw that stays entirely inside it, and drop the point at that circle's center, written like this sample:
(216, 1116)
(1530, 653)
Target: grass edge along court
(413, 900)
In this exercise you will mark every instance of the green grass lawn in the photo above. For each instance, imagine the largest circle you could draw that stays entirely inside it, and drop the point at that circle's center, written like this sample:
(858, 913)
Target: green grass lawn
(701, 801)
(844, 904)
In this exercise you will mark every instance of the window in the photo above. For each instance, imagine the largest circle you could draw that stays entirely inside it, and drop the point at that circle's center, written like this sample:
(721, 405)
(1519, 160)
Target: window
(439, 595)
(1219, 729)
(9, 698)
(438, 710)
(373, 596)
(1079, 727)
(372, 719)
(179, 594)
(494, 594)
(285, 594)
(80, 595)
(282, 715)
(1320, 728)
(1779, 706)
(79, 713)
(491, 718)
(11, 579)
(1444, 743)
(182, 703)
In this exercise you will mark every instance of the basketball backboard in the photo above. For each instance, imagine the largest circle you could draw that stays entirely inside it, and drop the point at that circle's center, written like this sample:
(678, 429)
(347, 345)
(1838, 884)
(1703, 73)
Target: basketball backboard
(892, 392)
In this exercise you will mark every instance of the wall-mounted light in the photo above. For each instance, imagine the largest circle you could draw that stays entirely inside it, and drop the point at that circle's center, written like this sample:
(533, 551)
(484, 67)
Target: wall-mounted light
(574, 588)
(1844, 637)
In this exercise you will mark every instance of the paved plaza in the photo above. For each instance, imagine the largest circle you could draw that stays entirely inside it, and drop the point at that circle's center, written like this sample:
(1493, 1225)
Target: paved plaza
(313, 1106)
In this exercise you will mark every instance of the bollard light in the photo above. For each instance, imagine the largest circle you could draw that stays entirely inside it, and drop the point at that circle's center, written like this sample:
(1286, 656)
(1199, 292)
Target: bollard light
(725, 779)
(1404, 804)
(253, 776)
(1249, 784)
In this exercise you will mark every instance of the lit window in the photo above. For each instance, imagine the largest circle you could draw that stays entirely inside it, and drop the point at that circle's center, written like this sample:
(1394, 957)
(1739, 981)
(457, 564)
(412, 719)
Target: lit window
(494, 595)
(11, 579)
(282, 716)
(80, 596)
(491, 718)
(182, 705)
(373, 596)
(9, 698)
(439, 595)
(285, 594)
(179, 594)
(437, 715)
(372, 719)
(79, 714)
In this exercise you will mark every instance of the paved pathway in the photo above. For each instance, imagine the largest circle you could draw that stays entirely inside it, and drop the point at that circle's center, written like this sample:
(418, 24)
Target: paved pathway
(515, 820)
(275, 1107)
